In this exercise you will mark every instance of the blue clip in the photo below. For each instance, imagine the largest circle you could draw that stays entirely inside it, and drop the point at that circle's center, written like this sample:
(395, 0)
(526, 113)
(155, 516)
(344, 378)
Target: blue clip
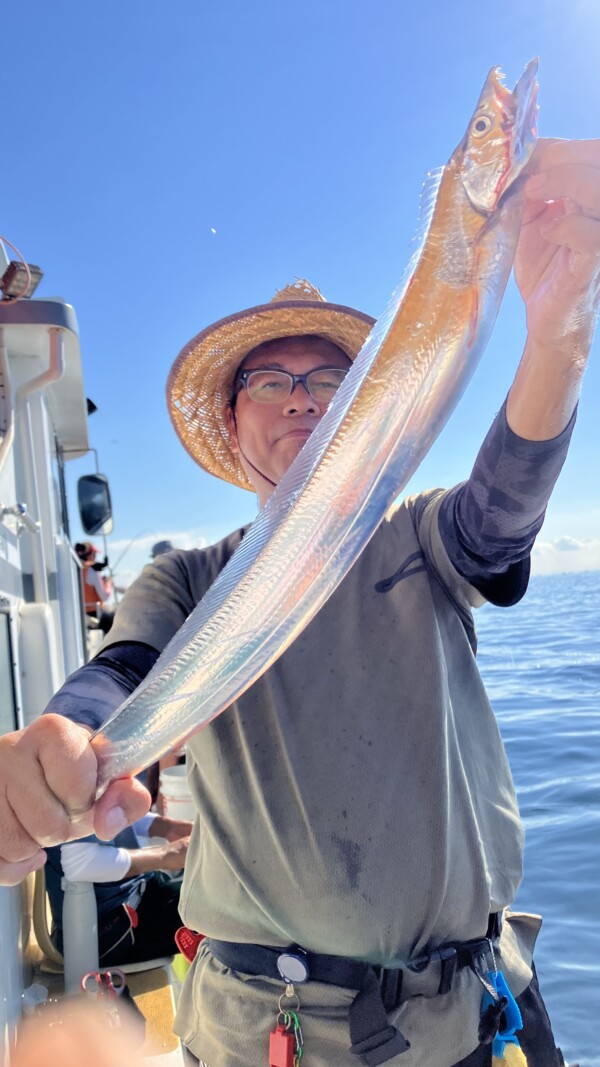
(513, 1020)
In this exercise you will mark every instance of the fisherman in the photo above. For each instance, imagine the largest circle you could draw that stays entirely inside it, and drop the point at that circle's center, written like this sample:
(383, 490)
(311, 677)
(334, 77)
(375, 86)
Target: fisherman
(97, 589)
(357, 823)
(137, 882)
(160, 547)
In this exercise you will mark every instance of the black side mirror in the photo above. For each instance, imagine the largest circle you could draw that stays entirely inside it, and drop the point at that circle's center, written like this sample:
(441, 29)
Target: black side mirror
(95, 508)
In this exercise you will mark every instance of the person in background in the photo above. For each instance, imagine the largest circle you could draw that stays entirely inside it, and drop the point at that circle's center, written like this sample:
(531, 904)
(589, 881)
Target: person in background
(97, 589)
(137, 888)
(161, 547)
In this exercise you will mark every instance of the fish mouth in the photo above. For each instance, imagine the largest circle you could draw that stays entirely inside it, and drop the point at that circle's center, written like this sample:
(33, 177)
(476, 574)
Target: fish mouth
(522, 121)
(525, 95)
(491, 166)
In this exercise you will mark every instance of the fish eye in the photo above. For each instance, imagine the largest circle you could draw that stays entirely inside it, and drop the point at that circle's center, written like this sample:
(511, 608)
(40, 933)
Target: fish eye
(481, 126)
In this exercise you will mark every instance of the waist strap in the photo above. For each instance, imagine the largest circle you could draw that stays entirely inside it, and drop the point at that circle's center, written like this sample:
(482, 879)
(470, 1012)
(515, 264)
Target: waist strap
(380, 989)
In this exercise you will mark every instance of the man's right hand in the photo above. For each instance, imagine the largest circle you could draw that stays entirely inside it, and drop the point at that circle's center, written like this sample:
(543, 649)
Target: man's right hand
(168, 857)
(48, 777)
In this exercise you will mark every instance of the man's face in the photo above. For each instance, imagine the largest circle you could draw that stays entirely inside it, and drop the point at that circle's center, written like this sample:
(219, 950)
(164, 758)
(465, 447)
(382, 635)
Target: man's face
(268, 437)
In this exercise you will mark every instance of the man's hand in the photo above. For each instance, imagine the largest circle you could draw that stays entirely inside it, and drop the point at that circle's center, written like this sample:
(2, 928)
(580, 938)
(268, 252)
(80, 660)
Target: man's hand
(76, 1031)
(48, 777)
(170, 829)
(557, 268)
(557, 265)
(174, 854)
(169, 857)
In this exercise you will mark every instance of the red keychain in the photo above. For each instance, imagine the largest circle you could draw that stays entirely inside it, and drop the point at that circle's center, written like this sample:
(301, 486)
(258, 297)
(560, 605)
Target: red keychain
(187, 942)
(282, 1047)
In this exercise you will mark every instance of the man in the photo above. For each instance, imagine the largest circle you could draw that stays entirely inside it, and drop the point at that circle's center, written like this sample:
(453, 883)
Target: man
(160, 547)
(137, 886)
(356, 801)
(97, 590)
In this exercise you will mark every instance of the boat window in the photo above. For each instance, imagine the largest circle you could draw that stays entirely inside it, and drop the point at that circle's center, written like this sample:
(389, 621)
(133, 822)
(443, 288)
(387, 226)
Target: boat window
(8, 704)
(60, 489)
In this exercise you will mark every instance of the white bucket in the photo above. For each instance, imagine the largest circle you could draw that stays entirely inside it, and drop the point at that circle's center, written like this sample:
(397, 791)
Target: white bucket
(175, 791)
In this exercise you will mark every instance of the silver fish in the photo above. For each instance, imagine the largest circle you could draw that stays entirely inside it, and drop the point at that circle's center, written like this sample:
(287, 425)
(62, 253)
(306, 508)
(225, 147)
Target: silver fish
(393, 403)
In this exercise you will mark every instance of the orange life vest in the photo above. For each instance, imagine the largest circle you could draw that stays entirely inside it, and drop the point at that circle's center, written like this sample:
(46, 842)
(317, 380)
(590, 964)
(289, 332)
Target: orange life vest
(90, 594)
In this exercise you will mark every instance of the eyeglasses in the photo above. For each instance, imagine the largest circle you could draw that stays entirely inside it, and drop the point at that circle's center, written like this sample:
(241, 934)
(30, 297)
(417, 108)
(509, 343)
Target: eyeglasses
(274, 386)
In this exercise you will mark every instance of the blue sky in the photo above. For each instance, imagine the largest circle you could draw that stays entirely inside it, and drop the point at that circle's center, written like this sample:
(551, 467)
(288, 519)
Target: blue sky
(300, 135)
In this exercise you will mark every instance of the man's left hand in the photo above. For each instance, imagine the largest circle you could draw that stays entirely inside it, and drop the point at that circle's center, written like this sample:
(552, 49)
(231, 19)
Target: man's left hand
(170, 829)
(557, 265)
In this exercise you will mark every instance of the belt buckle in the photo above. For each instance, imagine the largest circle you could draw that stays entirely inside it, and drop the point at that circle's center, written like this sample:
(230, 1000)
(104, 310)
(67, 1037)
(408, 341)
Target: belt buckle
(448, 960)
(390, 982)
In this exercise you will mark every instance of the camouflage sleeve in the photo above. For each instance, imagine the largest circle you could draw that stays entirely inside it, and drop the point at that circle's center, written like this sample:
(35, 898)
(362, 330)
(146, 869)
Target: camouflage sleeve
(489, 523)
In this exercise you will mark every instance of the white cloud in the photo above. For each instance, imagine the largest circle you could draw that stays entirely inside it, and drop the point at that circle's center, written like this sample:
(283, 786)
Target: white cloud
(565, 554)
(128, 558)
(568, 544)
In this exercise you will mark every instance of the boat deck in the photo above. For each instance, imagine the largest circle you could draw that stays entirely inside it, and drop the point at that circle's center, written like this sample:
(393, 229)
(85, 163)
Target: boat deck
(154, 991)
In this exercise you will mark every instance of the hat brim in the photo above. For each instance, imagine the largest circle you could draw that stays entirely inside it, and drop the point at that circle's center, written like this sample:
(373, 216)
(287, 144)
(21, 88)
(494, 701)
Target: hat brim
(200, 384)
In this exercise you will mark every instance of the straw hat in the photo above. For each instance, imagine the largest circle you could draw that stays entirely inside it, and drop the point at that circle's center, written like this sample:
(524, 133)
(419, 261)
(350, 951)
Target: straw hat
(200, 384)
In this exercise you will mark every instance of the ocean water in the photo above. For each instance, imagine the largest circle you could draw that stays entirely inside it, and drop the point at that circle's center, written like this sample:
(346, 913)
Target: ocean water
(541, 664)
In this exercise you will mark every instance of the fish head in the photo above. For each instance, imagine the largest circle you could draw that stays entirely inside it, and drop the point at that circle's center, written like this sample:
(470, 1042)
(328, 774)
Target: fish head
(500, 138)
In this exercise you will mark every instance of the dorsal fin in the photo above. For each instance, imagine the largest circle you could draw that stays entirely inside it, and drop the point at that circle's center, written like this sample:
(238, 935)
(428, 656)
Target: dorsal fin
(429, 192)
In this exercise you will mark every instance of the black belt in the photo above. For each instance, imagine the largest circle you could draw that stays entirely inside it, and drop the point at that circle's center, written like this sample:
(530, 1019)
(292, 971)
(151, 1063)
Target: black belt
(380, 989)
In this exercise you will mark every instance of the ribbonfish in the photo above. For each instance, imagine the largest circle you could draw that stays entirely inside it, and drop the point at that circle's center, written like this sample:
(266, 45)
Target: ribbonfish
(391, 406)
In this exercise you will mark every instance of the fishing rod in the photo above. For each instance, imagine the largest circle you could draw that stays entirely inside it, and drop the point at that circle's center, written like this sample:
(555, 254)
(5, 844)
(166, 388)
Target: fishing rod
(142, 533)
